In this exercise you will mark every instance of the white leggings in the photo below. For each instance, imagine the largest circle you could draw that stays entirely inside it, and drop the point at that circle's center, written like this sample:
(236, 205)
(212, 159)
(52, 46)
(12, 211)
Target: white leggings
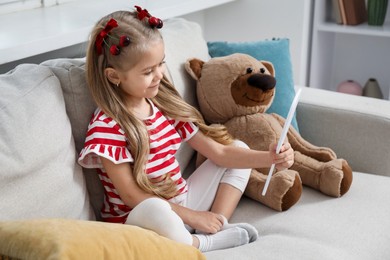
(156, 214)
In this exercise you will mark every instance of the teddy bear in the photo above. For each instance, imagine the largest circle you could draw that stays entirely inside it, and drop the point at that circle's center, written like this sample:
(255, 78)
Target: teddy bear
(236, 91)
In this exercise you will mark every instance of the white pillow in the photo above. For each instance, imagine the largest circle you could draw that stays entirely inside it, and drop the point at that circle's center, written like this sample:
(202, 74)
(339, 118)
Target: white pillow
(183, 40)
(39, 176)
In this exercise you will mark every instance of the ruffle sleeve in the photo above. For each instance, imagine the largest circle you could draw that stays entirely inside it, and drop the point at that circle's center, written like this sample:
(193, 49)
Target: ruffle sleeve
(90, 155)
(186, 130)
(104, 139)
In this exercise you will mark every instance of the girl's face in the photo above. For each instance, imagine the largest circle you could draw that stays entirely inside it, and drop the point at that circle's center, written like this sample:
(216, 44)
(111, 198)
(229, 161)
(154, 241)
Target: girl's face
(143, 80)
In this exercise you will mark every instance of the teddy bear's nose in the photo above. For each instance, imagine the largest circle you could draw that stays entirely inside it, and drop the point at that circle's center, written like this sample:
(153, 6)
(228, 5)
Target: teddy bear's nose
(261, 81)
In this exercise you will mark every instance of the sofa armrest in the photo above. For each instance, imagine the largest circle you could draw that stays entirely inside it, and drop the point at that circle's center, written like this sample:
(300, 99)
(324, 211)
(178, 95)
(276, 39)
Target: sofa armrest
(356, 128)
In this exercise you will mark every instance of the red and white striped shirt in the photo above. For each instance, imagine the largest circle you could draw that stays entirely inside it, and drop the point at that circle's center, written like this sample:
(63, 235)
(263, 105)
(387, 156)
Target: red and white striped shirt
(106, 138)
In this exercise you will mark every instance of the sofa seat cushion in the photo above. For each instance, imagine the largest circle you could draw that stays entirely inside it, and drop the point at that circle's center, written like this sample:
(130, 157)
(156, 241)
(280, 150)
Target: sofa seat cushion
(355, 226)
(79, 239)
(39, 174)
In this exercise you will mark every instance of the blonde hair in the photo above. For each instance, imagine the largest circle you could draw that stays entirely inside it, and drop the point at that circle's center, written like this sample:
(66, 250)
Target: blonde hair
(111, 99)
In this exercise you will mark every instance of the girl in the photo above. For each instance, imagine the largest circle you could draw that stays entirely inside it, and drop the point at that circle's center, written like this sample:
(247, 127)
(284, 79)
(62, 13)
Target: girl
(134, 134)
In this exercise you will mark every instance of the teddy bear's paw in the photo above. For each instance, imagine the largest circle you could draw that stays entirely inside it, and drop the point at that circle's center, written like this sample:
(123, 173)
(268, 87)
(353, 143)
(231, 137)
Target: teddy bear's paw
(347, 179)
(336, 178)
(293, 194)
(284, 190)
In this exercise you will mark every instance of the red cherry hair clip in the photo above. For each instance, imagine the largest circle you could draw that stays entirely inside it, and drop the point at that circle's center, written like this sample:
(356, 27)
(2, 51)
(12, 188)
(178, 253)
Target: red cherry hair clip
(154, 22)
(100, 39)
(103, 34)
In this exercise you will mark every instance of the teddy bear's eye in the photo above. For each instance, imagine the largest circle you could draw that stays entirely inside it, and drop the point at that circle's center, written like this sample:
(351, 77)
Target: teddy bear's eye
(249, 70)
(262, 70)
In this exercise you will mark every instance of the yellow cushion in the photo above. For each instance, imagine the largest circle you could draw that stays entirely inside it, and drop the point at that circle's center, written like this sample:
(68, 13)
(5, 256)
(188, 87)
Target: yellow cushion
(80, 239)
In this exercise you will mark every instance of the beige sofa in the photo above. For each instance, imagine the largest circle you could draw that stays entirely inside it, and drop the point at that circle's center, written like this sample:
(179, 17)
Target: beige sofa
(49, 204)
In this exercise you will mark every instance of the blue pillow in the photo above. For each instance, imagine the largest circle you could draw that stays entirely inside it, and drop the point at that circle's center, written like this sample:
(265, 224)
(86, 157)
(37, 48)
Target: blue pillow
(276, 51)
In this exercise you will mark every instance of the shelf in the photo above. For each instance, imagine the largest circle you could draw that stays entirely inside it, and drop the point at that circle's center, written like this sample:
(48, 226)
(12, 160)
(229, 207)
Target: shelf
(41, 30)
(342, 52)
(361, 29)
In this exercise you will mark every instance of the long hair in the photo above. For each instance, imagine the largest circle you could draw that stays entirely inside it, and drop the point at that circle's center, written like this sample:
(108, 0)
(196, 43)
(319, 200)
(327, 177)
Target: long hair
(111, 100)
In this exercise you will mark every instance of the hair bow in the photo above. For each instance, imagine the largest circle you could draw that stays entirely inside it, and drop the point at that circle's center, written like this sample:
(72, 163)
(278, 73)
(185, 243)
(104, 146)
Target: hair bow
(111, 24)
(153, 21)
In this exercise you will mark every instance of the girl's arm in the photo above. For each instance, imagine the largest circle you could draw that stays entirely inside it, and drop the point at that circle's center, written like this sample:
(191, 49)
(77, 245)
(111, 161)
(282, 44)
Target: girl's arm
(131, 194)
(124, 182)
(230, 156)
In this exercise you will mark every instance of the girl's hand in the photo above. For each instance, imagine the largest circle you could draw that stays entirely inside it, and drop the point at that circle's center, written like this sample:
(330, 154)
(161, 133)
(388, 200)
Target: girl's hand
(206, 222)
(284, 159)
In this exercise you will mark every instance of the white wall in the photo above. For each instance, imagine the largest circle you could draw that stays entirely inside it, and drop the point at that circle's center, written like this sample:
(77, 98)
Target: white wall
(253, 20)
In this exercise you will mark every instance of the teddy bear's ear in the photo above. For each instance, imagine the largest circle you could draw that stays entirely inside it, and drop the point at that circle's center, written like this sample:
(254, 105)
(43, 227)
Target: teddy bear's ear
(269, 66)
(194, 67)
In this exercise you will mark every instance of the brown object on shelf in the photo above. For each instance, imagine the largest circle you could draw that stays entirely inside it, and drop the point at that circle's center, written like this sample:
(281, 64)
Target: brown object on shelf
(342, 12)
(355, 11)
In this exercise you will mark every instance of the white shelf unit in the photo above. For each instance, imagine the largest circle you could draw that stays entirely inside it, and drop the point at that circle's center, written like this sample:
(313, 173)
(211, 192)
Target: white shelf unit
(342, 52)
